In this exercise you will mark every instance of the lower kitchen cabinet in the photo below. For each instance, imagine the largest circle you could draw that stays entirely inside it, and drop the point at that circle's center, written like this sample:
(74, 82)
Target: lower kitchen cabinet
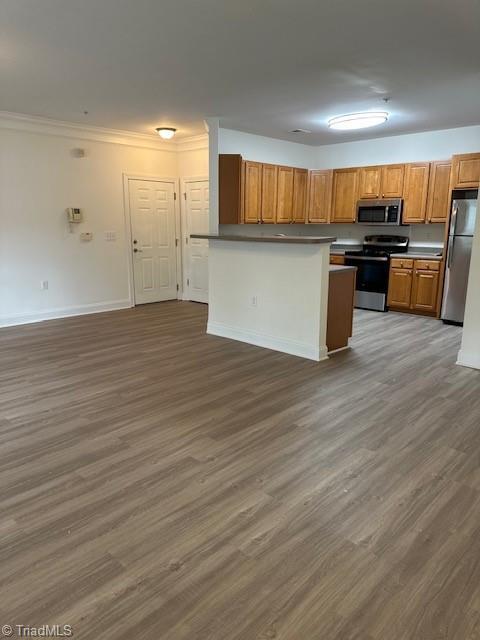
(337, 259)
(400, 288)
(425, 290)
(413, 285)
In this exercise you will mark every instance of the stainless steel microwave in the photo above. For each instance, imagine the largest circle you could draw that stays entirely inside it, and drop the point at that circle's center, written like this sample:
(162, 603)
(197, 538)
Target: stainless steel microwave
(380, 212)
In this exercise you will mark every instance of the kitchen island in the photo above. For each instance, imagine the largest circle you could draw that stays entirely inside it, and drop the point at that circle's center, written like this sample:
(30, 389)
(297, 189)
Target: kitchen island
(270, 291)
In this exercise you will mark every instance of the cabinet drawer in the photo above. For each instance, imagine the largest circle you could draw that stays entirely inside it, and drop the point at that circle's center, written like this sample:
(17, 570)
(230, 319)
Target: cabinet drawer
(427, 265)
(401, 263)
(337, 260)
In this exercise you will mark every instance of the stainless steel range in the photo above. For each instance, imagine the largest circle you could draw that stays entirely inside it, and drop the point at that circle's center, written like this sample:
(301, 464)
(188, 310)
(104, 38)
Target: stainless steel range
(373, 266)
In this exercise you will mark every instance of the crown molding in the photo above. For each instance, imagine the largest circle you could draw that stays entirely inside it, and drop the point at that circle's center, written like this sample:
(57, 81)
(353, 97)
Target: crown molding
(36, 124)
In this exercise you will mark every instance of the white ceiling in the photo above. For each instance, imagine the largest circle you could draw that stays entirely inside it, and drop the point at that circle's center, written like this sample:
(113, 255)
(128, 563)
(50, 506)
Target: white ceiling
(264, 66)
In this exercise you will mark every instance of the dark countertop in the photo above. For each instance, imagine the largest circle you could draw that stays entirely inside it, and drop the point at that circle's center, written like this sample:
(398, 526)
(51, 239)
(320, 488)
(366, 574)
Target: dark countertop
(418, 255)
(340, 267)
(274, 238)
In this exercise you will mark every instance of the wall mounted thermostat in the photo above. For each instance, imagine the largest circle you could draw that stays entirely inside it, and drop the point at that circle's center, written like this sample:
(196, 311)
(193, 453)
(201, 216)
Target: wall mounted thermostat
(74, 214)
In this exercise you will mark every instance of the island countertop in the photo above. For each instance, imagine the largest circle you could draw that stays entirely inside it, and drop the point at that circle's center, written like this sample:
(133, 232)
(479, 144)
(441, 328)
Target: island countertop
(273, 238)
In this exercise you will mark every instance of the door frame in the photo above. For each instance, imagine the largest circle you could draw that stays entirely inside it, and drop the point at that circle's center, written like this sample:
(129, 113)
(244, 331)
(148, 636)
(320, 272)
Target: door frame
(184, 227)
(128, 229)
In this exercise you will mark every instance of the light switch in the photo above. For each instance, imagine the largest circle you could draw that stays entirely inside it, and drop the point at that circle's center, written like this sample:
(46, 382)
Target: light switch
(86, 236)
(110, 236)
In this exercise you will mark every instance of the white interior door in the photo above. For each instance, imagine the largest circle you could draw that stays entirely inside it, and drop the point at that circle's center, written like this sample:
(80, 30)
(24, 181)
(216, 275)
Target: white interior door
(196, 214)
(152, 211)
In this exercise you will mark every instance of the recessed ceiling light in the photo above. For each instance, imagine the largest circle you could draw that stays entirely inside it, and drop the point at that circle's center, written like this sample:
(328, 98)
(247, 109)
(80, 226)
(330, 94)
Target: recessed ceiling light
(358, 120)
(166, 132)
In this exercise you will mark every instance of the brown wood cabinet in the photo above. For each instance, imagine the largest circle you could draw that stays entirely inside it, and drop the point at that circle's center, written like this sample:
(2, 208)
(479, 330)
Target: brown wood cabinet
(320, 196)
(269, 193)
(252, 192)
(370, 182)
(413, 285)
(438, 203)
(424, 290)
(393, 178)
(230, 188)
(381, 181)
(285, 195)
(415, 192)
(466, 171)
(337, 259)
(300, 187)
(345, 195)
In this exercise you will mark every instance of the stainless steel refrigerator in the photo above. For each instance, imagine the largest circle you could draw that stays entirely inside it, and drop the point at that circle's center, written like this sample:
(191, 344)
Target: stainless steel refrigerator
(459, 249)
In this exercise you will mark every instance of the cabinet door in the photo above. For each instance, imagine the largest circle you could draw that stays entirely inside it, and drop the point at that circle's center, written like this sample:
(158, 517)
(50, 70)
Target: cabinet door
(300, 183)
(229, 188)
(466, 171)
(438, 204)
(399, 288)
(415, 193)
(425, 289)
(345, 195)
(285, 195)
(393, 177)
(269, 193)
(320, 196)
(370, 182)
(252, 191)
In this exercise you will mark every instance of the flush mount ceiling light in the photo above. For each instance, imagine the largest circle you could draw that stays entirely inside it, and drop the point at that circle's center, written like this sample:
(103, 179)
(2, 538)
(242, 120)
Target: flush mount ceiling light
(358, 120)
(166, 132)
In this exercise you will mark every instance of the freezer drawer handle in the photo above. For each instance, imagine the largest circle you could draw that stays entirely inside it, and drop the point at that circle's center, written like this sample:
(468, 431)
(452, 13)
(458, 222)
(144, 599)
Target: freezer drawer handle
(451, 244)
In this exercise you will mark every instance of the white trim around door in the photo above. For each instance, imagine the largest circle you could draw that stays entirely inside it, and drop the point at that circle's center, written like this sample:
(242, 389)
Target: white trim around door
(128, 229)
(188, 293)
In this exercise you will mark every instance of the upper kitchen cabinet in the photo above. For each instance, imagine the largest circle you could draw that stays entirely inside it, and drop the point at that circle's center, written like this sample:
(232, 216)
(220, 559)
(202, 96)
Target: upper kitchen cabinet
(269, 193)
(285, 195)
(438, 204)
(345, 195)
(370, 182)
(466, 171)
(252, 191)
(320, 196)
(300, 184)
(383, 181)
(230, 183)
(393, 177)
(415, 192)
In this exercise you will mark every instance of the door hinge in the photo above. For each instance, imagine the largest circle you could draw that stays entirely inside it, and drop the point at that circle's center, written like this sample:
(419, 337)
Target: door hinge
(186, 239)
(176, 242)
(174, 195)
(178, 287)
(188, 282)
(185, 195)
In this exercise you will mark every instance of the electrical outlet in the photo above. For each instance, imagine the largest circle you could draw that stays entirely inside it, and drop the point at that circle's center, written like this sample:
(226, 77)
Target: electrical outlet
(44, 285)
(254, 301)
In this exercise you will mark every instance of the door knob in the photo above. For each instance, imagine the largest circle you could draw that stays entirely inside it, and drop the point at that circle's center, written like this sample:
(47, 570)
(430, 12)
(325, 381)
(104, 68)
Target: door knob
(137, 250)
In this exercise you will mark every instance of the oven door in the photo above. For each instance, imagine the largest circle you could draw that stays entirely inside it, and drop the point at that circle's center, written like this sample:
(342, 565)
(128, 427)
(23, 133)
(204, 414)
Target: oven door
(372, 281)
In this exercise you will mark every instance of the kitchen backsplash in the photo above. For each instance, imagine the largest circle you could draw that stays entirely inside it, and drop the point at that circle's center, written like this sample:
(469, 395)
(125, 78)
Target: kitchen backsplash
(420, 235)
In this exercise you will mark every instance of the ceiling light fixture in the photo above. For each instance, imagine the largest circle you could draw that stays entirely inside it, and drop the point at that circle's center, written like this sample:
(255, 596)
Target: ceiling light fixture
(166, 133)
(358, 120)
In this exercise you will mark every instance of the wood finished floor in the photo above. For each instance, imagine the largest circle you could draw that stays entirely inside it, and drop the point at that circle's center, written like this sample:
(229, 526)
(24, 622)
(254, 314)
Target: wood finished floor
(160, 483)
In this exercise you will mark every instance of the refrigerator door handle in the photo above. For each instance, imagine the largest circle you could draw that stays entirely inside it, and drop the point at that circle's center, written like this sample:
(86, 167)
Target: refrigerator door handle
(453, 222)
(451, 244)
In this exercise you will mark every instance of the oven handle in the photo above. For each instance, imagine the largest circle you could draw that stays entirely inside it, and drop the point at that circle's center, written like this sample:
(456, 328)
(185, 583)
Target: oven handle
(375, 258)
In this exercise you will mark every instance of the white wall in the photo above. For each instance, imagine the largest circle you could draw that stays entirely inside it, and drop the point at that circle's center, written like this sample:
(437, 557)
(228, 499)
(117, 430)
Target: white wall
(469, 355)
(262, 149)
(414, 147)
(39, 178)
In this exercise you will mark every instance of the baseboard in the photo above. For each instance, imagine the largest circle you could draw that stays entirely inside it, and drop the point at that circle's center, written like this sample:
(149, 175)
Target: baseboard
(64, 312)
(466, 360)
(291, 347)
